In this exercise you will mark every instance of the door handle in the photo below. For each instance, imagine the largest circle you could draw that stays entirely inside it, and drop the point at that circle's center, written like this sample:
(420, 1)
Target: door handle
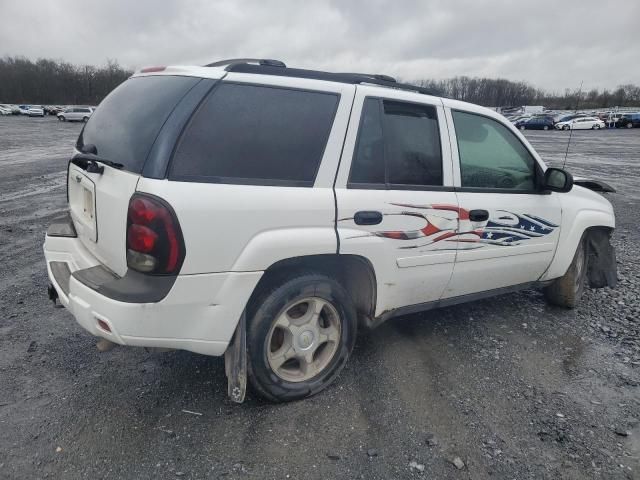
(478, 215)
(367, 218)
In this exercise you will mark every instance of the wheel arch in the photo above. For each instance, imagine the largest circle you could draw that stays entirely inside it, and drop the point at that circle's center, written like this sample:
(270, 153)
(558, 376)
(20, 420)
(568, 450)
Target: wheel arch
(355, 273)
(584, 222)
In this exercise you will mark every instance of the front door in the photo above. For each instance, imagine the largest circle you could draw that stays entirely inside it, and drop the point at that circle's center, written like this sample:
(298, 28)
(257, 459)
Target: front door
(508, 228)
(395, 198)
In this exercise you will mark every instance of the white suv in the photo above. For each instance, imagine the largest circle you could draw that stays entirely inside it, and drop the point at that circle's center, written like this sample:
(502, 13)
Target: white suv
(266, 212)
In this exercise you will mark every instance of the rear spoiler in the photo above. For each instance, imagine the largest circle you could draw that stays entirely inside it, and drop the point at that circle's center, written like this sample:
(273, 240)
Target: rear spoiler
(595, 185)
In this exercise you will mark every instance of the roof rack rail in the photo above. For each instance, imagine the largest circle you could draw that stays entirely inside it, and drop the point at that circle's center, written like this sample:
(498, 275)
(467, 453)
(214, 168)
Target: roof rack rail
(243, 66)
(238, 61)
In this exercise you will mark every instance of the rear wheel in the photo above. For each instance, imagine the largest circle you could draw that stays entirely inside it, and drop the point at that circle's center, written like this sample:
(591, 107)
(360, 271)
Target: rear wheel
(629, 125)
(567, 290)
(299, 337)
(85, 119)
(565, 127)
(62, 119)
(546, 127)
(522, 127)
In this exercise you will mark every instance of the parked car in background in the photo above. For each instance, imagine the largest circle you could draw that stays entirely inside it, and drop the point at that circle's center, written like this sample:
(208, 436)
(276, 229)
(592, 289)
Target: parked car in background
(24, 109)
(581, 123)
(566, 118)
(75, 114)
(14, 108)
(609, 118)
(53, 109)
(5, 110)
(536, 123)
(35, 111)
(629, 120)
(520, 118)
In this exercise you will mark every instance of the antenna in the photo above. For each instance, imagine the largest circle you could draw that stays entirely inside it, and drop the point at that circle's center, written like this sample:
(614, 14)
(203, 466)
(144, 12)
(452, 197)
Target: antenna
(571, 130)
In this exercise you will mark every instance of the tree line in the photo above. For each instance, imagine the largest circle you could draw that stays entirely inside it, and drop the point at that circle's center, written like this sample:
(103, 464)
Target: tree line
(47, 81)
(498, 92)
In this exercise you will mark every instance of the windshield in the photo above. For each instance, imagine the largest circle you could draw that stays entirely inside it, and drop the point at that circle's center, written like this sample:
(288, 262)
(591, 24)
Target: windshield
(126, 123)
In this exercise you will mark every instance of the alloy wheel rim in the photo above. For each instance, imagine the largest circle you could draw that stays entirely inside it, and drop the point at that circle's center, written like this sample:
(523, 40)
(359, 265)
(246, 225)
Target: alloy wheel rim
(303, 339)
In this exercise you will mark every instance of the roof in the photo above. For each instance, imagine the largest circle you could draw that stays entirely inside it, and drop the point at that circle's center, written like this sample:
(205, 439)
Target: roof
(278, 68)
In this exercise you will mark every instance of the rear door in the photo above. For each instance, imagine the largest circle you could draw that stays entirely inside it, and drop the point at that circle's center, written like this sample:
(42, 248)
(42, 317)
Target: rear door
(396, 205)
(509, 229)
(123, 129)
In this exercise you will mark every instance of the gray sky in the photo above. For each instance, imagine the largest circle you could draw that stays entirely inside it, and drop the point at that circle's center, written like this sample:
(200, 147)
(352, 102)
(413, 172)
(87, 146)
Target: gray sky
(550, 43)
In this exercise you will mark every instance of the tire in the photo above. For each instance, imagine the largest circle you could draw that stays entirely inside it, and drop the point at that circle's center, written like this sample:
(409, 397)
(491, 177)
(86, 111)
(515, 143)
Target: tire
(268, 342)
(567, 290)
(62, 118)
(629, 125)
(565, 127)
(522, 127)
(85, 119)
(546, 127)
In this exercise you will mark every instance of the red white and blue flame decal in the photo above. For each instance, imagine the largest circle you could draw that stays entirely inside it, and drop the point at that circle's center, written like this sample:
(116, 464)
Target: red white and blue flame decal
(450, 223)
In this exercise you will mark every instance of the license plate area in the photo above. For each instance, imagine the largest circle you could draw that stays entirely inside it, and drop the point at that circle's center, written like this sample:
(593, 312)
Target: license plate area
(82, 203)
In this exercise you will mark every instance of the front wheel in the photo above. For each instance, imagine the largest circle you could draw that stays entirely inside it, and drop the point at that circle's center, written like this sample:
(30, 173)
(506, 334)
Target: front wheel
(299, 337)
(62, 119)
(567, 290)
(546, 127)
(565, 127)
(523, 127)
(85, 119)
(629, 125)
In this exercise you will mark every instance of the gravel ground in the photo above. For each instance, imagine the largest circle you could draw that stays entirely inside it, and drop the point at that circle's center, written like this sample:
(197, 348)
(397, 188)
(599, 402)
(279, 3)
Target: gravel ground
(502, 388)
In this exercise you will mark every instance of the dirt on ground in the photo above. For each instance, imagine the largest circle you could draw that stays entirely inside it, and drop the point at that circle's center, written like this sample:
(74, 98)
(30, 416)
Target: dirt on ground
(506, 388)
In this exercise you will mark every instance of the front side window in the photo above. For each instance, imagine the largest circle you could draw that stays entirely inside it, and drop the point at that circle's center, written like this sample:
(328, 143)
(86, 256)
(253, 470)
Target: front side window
(398, 146)
(261, 135)
(491, 156)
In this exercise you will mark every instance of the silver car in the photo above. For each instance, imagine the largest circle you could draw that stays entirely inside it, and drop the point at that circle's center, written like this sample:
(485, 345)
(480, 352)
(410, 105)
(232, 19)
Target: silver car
(75, 114)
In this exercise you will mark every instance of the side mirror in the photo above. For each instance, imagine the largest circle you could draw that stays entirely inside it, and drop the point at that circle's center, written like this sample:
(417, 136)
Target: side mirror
(557, 180)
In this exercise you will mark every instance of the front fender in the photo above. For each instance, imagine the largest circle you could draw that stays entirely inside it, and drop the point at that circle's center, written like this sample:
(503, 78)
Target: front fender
(581, 209)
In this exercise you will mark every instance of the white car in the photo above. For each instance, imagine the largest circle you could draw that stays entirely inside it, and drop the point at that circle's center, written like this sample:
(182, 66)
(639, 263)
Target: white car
(581, 123)
(266, 213)
(5, 110)
(35, 111)
(75, 114)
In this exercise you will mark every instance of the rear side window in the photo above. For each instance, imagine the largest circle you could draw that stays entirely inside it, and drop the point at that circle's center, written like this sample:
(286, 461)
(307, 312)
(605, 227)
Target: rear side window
(127, 122)
(260, 135)
(398, 146)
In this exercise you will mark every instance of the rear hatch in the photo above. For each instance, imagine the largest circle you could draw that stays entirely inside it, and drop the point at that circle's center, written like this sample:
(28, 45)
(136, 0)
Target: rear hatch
(121, 132)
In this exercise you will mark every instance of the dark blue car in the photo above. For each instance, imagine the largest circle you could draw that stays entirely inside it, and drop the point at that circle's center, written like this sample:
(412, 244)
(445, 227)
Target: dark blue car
(536, 123)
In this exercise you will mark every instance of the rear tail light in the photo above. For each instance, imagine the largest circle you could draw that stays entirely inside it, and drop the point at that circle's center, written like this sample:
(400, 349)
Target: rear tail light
(154, 239)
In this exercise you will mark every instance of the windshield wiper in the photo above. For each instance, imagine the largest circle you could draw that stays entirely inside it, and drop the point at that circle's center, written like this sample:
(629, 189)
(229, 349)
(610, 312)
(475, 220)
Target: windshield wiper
(90, 163)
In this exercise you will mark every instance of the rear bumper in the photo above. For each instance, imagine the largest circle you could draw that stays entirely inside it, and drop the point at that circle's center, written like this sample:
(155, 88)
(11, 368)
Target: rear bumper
(199, 313)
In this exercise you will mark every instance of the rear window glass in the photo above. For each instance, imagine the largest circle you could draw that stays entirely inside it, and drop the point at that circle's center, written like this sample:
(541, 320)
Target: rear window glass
(261, 135)
(126, 123)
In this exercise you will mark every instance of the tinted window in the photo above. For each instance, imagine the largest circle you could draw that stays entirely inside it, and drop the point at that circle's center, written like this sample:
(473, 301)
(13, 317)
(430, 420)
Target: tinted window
(368, 161)
(491, 156)
(256, 134)
(125, 125)
(398, 144)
